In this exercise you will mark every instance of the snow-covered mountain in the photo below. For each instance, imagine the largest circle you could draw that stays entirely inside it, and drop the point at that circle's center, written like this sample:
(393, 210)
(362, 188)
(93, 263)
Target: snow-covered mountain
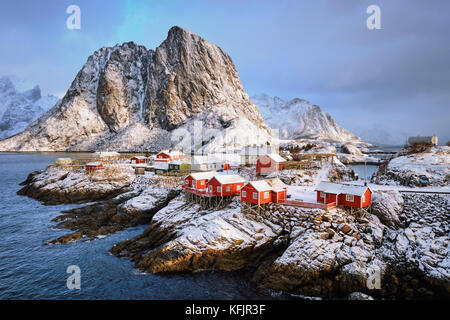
(298, 119)
(21, 103)
(128, 98)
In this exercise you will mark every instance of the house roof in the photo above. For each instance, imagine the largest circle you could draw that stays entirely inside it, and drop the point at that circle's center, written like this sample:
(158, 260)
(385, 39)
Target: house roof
(338, 188)
(229, 178)
(93, 164)
(260, 185)
(276, 184)
(203, 175)
(276, 157)
(178, 162)
(162, 166)
(139, 157)
(171, 153)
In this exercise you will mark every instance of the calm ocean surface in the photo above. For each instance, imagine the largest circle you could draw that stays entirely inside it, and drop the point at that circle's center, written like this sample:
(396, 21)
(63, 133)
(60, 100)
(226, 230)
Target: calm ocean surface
(31, 270)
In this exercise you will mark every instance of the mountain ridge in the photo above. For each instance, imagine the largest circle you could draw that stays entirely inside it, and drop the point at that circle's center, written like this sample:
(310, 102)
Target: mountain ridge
(21, 104)
(299, 119)
(128, 98)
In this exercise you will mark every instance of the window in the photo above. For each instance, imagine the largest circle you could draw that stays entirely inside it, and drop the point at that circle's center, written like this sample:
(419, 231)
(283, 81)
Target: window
(210, 188)
(228, 188)
(244, 194)
(186, 181)
(202, 182)
(363, 198)
(219, 189)
(349, 197)
(255, 195)
(266, 195)
(322, 194)
(238, 187)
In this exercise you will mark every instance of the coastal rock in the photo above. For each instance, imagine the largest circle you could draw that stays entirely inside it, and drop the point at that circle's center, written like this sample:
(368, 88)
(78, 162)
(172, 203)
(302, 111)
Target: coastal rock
(57, 185)
(183, 237)
(387, 206)
(351, 149)
(409, 166)
(134, 207)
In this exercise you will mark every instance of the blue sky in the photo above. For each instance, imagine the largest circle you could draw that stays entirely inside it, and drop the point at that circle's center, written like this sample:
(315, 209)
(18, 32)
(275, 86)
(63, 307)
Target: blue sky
(387, 83)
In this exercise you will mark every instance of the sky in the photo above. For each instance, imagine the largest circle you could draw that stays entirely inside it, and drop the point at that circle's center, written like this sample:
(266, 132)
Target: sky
(383, 84)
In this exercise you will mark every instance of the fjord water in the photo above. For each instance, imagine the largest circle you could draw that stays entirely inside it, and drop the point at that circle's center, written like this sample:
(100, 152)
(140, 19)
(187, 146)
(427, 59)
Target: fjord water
(29, 269)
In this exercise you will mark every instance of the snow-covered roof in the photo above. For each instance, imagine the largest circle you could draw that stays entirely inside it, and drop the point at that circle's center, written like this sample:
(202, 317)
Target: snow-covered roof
(178, 162)
(106, 154)
(93, 164)
(203, 175)
(162, 166)
(260, 185)
(171, 153)
(139, 157)
(276, 184)
(229, 178)
(276, 157)
(337, 188)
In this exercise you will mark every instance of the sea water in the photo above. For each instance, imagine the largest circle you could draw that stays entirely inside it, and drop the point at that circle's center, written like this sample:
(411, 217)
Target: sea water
(30, 269)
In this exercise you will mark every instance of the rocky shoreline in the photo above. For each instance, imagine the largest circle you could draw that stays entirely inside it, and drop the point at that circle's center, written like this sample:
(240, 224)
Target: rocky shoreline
(295, 250)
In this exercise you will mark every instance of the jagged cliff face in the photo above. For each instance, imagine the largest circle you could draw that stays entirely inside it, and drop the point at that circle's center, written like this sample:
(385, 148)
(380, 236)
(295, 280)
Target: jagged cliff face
(20, 104)
(297, 119)
(128, 98)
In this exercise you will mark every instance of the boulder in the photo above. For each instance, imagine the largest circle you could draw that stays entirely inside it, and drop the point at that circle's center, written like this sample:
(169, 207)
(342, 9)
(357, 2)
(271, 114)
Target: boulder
(387, 206)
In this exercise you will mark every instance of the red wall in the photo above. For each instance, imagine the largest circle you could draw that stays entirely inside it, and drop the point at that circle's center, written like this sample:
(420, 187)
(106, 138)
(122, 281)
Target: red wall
(189, 179)
(201, 186)
(266, 168)
(248, 188)
(329, 197)
(137, 160)
(278, 196)
(233, 188)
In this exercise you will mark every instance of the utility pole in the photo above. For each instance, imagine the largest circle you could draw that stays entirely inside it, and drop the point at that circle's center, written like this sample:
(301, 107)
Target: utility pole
(365, 174)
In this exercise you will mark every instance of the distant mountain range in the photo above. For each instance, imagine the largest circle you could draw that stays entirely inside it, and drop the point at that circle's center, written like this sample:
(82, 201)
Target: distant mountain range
(299, 119)
(21, 103)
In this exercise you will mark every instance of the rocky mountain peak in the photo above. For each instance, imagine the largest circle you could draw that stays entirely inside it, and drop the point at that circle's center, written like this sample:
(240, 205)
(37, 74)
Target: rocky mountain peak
(298, 119)
(127, 98)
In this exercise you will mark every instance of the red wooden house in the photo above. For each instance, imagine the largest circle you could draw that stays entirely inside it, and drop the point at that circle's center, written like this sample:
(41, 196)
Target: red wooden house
(93, 166)
(225, 185)
(168, 156)
(269, 163)
(256, 192)
(198, 180)
(354, 196)
(278, 189)
(138, 159)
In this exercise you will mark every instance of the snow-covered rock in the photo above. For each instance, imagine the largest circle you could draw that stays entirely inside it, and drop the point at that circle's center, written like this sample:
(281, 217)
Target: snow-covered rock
(57, 185)
(20, 104)
(408, 168)
(183, 237)
(387, 206)
(298, 119)
(351, 149)
(128, 98)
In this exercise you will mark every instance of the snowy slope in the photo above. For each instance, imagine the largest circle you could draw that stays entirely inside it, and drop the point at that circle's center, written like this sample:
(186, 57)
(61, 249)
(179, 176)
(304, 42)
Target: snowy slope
(21, 103)
(298, 118)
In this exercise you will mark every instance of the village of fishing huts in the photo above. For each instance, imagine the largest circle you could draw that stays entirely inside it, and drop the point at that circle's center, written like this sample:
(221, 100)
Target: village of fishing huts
(256, 176)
